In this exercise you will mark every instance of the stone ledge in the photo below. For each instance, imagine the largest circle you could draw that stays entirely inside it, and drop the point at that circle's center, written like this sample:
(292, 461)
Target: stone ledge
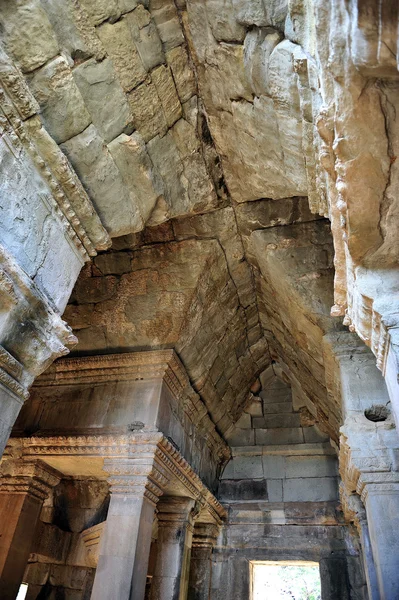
(285, 450)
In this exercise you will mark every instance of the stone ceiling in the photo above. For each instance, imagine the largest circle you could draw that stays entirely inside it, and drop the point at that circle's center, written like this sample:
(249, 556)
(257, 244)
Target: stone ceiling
(197, 131)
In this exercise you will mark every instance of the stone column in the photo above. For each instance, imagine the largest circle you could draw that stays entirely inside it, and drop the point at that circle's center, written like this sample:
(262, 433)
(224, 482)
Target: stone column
(136, 485)
(175, 530)
(382, 507)
(204, 539)
(23, 488)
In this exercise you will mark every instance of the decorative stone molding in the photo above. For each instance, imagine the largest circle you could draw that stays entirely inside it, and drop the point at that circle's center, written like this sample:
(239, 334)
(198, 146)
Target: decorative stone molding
(91, 538)
(132, 478)
(205, 535)
(176, 512)
(70, 202)
(46, 336)
(138, 366)
(150, 449)
(33, 478)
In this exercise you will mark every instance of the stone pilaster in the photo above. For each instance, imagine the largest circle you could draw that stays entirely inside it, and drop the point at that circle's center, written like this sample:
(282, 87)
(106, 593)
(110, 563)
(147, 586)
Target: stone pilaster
(136, 485)
(175, 530)
(204, 540)
(23, 488)
(381, 500)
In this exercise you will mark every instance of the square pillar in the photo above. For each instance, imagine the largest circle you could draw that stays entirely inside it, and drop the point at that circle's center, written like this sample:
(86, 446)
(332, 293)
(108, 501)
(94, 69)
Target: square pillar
(204, 540)
(23, 488)
(175, 530)
(382, 508)
(136, 485)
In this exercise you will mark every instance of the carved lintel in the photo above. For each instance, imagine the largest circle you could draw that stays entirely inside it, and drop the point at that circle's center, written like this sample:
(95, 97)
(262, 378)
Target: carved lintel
(141, 446)
(162, 365)
(33, 478)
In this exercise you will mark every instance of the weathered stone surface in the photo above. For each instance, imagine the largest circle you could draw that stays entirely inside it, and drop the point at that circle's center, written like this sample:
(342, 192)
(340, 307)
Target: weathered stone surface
(167, 94)
(62, 107)
(182, 72)
(103, 182)
(148, 115)
(118, 42)
(104, 97)
(146, 38)
(27, 33)
(131, 157)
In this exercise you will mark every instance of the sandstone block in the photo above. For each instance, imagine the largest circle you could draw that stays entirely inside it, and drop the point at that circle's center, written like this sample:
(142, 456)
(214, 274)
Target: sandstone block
(266, 437)
(101, 10)
(243, 490)
(135, 166)
(146, 39)
(284, 420)
(167, 94)
(103, 182)
(27, 34)
(115, 263)
(168, 24)
(314, 489)
(118, 42)
(104, 97)
(314, 435)
(277, 407)
(62, 108)
(273, 466)
(244, 422)
(222, 17)
(148, 115)
(75, 34)
(275, 490)
(248, 467)
(182, 72)
(311, 466)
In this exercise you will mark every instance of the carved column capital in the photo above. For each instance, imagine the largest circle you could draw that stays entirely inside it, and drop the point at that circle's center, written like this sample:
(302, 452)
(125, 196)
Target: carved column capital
(205, 535)
(34, 478)
(176, 512)
(136, 477)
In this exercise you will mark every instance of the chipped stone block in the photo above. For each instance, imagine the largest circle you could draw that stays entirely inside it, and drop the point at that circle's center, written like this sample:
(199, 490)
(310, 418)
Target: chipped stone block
(167, 94)
(146, 39)
(168, 24)
(103, 182)
(118, 42)
(135, 166)
(104, 97)
(222, 18)
(182, 72)
(101, 10)
(61, 104)
(27, 34)
(166, 160)
(75, 35)
(148, 115)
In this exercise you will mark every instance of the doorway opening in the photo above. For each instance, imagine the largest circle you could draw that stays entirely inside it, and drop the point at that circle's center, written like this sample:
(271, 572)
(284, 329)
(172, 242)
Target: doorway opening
(285, 580)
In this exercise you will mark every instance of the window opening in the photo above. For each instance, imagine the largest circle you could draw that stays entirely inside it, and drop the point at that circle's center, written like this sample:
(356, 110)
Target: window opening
(23, 590)
(285, 580)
